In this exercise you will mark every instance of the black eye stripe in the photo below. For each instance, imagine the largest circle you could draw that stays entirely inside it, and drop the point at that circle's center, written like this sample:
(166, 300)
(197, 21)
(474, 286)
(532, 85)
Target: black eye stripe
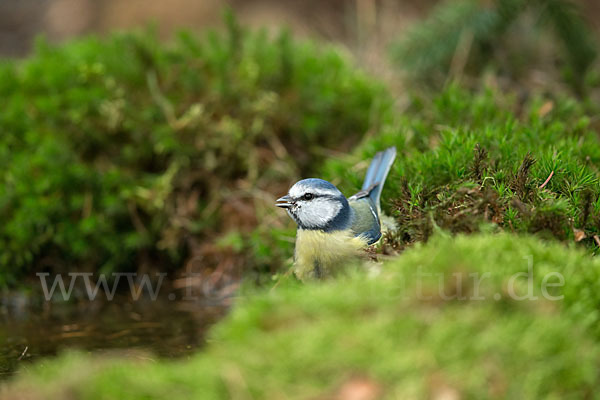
(307, 196)
(313, 196)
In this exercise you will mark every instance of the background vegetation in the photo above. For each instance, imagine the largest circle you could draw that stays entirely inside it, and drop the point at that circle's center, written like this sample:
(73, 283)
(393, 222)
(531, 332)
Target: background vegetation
(124, 153)
(512, 37)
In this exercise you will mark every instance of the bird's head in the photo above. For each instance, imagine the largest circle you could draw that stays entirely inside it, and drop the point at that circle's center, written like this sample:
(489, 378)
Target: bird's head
(316, 204)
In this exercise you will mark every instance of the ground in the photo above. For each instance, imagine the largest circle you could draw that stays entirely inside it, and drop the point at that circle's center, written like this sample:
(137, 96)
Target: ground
(396, 334)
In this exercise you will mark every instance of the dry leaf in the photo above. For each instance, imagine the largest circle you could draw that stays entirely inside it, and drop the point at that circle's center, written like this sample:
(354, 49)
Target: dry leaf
(440, 389)
(545, 108)
(359, 389)
(579, 235)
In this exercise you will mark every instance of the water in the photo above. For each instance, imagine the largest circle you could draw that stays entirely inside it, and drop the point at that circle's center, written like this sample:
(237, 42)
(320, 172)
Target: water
(31, 331)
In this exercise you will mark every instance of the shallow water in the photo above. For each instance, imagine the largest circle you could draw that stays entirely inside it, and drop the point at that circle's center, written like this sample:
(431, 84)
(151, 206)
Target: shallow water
(33, 330)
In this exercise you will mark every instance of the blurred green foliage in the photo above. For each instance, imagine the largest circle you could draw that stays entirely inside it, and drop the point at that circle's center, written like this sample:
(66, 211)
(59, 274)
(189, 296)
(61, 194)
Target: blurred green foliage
(401, 334)
(123, 152)
(479, 160)
(474, 34)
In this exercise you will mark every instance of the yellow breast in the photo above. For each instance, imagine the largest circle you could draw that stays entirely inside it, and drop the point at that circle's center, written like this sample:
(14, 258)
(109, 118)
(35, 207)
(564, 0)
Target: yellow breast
(319, 254)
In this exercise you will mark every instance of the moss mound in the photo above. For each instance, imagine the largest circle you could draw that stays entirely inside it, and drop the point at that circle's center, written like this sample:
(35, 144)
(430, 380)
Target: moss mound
(123, 152)
(469, 160)
(400, 334)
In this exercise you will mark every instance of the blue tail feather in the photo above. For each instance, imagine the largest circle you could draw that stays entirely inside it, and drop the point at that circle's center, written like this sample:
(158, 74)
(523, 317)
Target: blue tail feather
(377, 173)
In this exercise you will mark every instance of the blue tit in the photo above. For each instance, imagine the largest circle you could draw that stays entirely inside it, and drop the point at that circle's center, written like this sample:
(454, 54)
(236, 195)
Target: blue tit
(333, 229)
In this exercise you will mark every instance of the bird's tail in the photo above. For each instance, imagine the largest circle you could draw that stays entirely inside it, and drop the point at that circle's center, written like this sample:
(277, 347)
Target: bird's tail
(377, 173)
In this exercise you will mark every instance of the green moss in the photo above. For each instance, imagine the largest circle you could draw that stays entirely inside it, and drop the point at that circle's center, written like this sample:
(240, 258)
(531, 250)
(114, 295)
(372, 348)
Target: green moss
(114, 152)
(398, 335)
(467, 159)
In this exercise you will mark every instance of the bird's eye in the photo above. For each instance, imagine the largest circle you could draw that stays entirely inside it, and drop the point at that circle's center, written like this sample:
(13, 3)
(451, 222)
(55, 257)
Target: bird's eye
(308, 196)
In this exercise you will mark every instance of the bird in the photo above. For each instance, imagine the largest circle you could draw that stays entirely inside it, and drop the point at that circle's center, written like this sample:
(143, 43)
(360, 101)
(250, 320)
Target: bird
(332, 229)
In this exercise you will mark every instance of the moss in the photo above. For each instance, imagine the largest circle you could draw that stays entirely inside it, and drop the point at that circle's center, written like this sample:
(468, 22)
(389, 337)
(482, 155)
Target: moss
(397, 335)
(124, 152)
(469, 160)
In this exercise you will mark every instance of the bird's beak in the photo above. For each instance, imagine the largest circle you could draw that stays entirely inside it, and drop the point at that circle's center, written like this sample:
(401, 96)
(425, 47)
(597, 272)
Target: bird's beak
(285, 202)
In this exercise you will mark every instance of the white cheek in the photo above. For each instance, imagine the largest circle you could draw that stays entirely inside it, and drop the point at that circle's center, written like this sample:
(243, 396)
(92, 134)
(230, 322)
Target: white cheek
(318, 212)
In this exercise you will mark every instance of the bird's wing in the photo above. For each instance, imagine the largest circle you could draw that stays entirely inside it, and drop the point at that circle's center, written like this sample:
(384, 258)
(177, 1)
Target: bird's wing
(365, 222)
(363, 193)
(365, 203)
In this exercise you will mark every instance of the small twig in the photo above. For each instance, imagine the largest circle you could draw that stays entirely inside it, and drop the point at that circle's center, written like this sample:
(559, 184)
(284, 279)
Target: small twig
(547, 180)
(287, 273)
(159, 98)
(88, 204)
(597, 240)
(23, 353)
(461, 54)
(136, 219)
